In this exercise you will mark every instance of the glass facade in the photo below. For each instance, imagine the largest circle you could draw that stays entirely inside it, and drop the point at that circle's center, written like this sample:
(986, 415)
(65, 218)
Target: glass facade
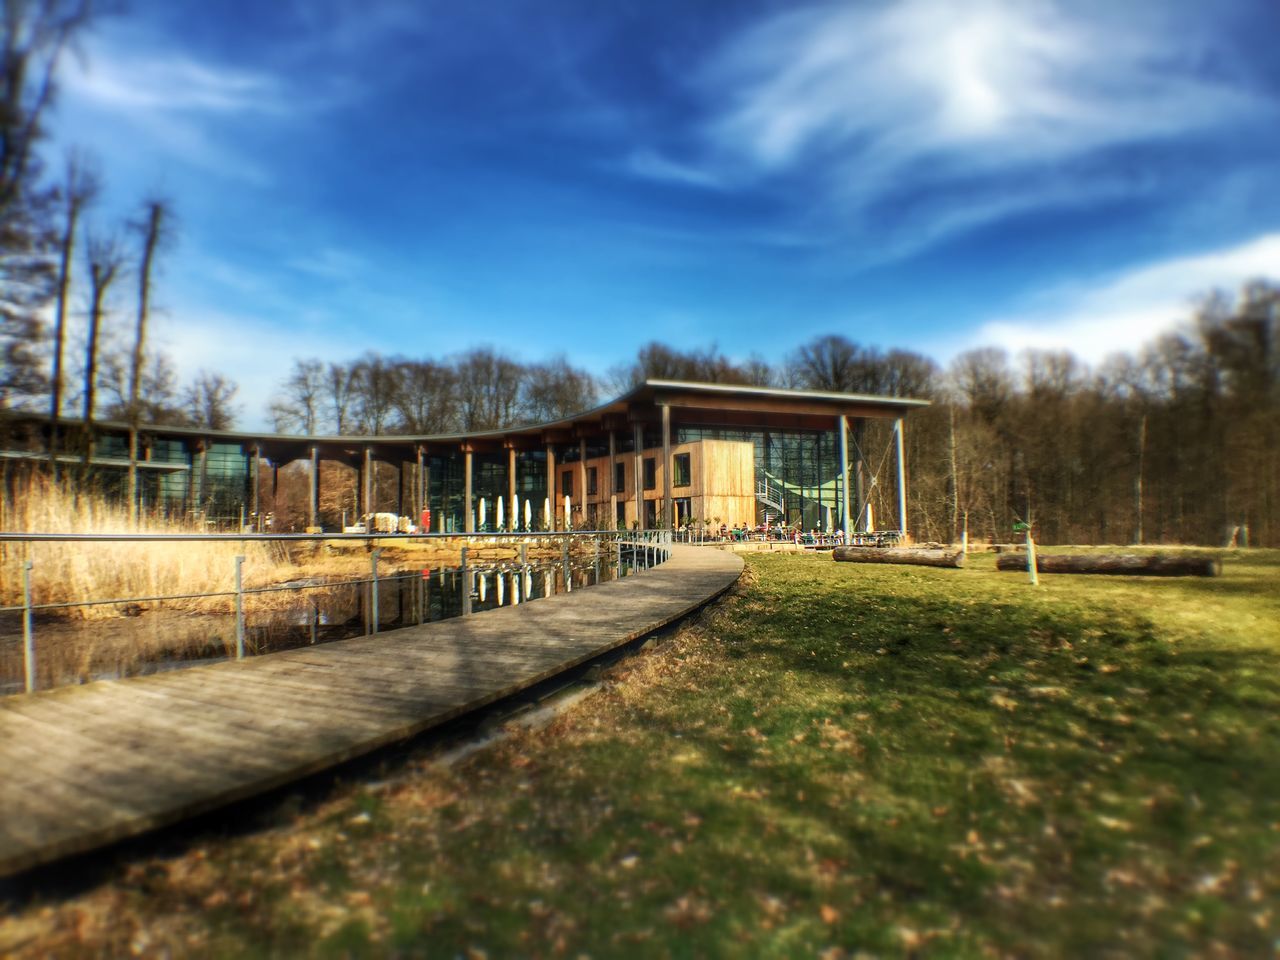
(800, 467)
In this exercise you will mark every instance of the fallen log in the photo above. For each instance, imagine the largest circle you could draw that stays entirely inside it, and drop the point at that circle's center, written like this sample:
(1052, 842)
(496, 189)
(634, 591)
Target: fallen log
(1126, 564)
(920, 558)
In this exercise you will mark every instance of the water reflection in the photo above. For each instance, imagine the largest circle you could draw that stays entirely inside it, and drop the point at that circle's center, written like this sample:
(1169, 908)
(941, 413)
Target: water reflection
(311, 612)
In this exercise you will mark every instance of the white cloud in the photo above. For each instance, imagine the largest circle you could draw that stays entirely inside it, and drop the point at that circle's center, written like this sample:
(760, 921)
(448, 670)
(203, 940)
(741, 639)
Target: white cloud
(962, 113)
(255, 353)
(1128, 310)
(171, 82)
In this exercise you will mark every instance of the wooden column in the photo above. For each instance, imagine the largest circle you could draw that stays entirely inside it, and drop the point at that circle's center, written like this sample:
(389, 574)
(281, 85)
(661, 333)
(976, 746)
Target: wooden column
(468, 513)
(192, 459)
(902, 480)
(204, 474)
(513, 522)
(639, 474)
(666, 466)
(582, 478)
(255, 478)
(313, 501)
(400, 488)
(842, 431)
(551, 484)
(419, 487)
(613, 486)
(366, 485)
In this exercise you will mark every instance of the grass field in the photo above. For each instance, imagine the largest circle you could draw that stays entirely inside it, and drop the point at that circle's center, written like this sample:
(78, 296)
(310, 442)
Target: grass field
(837, 759)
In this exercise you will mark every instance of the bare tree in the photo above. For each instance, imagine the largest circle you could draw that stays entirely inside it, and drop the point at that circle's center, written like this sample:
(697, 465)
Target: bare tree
(154, 230)
(489, 389)
(106, 262)
(208, 400)
(426, 396)
(80, 187)
(374, 388)
(297, 407)
(339, 384)
(555, 389)
(158, 399)
(33, 37)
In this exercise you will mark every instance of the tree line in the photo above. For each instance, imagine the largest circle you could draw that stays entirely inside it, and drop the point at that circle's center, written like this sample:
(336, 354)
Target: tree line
(1178, 442)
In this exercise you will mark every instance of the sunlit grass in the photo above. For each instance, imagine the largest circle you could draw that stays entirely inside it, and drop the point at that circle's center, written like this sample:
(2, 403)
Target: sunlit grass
(837, 758)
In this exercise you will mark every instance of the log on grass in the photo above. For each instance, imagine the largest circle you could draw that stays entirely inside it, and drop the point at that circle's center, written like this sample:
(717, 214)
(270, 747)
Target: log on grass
(919, 558)
(1149, 565)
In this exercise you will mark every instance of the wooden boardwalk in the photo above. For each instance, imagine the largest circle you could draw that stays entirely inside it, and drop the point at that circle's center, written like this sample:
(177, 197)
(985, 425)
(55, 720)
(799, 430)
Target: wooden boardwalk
(83, 766)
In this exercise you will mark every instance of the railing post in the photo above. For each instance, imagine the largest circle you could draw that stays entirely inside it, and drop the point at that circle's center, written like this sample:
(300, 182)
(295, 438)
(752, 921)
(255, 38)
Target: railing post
(466, 586)
(596, 542)
(28, 642)
(240, 608)
(373, 591)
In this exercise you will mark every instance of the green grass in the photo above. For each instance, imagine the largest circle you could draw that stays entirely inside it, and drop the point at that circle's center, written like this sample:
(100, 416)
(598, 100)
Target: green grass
(838, 758)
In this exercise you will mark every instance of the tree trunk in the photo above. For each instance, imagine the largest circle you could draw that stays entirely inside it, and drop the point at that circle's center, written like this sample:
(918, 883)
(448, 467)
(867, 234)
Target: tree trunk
(1154, 565)
(920, 558)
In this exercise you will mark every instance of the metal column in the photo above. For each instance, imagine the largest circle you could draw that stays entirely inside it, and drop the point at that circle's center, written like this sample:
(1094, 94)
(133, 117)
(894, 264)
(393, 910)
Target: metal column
(842, 428)
(902, 481)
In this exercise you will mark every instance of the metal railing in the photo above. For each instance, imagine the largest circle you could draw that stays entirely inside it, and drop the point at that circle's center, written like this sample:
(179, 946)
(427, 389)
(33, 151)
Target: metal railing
(643, 549)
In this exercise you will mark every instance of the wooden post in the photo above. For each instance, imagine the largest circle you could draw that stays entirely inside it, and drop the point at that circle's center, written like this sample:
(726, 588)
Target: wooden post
(255, 479)
(367, 484)
(842, 429)
(399, 488)
(613, 486)
(1032, 573)
(638, 476)
(419, 487)
(203, 478)
(666, 467)
(551, 487)
(902, 481)
(313, 502)
(513, 522)
(468, 514)
(582, 478)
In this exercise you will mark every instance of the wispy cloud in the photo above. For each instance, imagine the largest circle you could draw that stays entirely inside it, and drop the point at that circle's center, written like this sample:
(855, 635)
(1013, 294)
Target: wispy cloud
(968, 112)
(652, 165)
(172, 82)
(1127, 311)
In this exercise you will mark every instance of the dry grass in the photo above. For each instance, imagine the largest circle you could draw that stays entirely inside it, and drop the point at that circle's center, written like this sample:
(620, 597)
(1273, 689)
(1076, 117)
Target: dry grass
(77, 571)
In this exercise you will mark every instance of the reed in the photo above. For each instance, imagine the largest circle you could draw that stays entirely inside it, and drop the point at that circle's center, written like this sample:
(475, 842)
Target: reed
(75, 572)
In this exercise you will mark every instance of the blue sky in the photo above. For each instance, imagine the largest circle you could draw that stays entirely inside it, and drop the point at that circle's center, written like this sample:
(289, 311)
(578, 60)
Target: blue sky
(582, 177)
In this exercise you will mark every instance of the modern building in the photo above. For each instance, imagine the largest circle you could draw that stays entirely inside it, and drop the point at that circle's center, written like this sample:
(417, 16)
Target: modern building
(664, 453)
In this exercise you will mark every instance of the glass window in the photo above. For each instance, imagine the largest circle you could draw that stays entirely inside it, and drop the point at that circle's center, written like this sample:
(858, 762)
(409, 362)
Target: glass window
(682, 474)
(650, 473)
(591, 481)
(566, 483)
(619, 477)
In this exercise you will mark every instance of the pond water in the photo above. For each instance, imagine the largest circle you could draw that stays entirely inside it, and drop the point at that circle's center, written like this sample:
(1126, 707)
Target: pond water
(304, 613)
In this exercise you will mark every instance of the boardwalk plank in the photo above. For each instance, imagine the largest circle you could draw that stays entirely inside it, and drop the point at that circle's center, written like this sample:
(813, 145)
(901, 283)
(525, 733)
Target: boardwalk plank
(85, 766)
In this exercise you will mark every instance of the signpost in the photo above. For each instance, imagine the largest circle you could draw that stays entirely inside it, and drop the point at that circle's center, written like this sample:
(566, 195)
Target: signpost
(1032, 575)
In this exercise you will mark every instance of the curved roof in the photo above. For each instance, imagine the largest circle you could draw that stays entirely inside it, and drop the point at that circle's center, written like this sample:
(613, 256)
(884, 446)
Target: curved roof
(640, 404)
